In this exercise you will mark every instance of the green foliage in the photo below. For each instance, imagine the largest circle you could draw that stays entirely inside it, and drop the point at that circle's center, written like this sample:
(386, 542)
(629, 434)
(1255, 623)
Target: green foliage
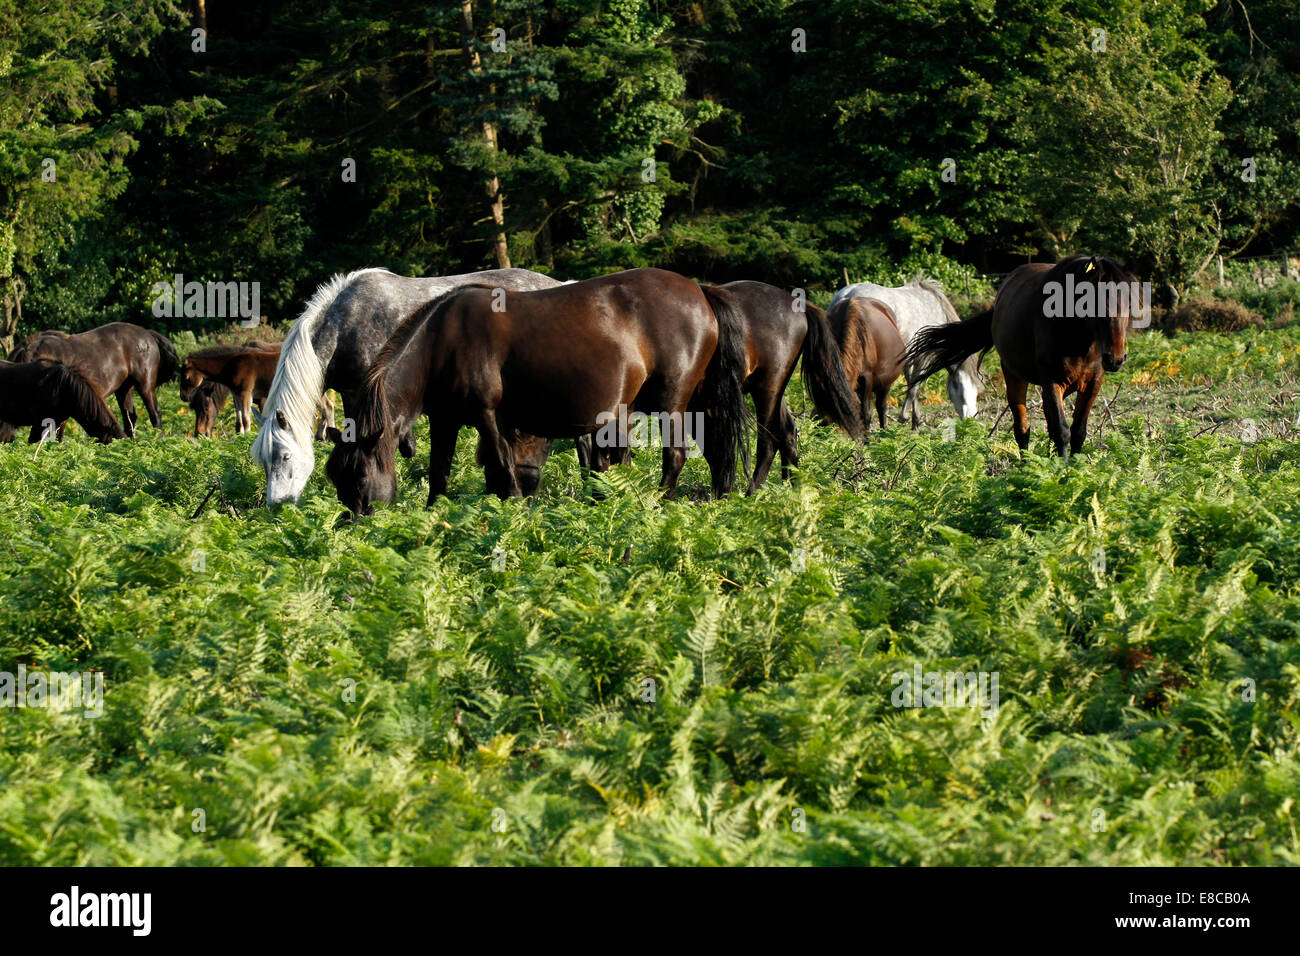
(790, 167)
(500, 650)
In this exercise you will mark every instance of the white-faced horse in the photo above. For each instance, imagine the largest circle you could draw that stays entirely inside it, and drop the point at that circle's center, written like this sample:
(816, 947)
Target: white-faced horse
(332, 345)
(918, 305)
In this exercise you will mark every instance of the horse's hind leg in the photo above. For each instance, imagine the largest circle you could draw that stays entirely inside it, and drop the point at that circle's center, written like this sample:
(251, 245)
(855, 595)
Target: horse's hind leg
(882, 399)
(865, 392)
(789, 439)
(406, 443)
(126, 403)
(769, 428)
(150, 403)
(1017, 392)
(910, 406)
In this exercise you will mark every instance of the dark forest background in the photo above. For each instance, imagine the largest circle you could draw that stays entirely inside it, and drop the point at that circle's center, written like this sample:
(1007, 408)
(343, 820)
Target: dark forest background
(794, 142)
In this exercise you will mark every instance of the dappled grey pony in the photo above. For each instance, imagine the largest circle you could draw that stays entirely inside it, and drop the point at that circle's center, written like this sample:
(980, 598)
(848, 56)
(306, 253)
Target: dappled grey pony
(332, 345)
(918, 305)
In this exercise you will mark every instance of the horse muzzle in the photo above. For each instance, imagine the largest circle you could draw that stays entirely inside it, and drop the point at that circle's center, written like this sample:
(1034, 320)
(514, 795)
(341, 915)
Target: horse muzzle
(1112, 364)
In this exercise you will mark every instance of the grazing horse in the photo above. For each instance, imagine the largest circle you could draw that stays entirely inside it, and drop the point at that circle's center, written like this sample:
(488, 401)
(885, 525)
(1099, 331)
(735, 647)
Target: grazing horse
(871, 351)
(206, 401)
(247, 370)
(556, 363)
(42, 392)
(919, 305)
(779, 330)
(1061, 327)
(332, 345)
(117, 359)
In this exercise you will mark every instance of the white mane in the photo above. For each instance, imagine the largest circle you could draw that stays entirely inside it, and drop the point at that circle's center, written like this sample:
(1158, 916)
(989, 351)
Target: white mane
(299, 376)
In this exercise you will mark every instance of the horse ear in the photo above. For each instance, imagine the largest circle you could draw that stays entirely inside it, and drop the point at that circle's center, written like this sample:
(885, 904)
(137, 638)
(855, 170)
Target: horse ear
(280, 419)
(257, 416)
(332, 433)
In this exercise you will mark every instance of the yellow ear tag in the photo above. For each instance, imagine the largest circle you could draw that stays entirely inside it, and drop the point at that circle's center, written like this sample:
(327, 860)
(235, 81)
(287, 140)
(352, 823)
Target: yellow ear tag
(1091, 266)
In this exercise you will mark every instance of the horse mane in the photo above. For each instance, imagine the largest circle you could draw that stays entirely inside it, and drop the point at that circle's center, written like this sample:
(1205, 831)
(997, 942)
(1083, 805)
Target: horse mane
(299, 376)
(1107, 269)
(935, 288)
(401, 336)
(70, 381)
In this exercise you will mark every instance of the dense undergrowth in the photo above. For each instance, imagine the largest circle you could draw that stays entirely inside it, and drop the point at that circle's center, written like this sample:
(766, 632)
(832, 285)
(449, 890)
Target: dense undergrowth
(1139, 605)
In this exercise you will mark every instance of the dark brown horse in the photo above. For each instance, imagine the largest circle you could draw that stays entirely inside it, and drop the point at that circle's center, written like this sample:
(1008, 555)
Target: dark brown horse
(44, 393)
(780, 328)
(556, 363)
(117, 359)
(1060, 327)
(206, 402)
(871, 350)
(247, 370)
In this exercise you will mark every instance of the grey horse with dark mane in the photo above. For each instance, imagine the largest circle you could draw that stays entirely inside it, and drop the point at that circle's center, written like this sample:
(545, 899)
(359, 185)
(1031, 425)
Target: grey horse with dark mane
(332, 345)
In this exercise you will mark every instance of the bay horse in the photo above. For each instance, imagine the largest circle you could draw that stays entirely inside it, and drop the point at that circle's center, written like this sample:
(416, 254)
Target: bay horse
(919, 305)
(780, 329)
(1060, 327)
(871, 351)
(555, 363)
(247, 369)
(41, 393)
(117, 359)
(332, 345)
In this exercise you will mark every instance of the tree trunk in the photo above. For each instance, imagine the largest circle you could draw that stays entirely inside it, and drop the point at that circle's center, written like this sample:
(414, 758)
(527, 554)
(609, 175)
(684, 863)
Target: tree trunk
(492, 185)
(11, 299)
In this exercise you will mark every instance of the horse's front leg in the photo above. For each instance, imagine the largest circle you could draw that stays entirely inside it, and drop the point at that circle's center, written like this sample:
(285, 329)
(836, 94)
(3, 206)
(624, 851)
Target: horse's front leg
(864, 399)
(769, 409)
(442, 449)
(326, 415)
(1054, 412)
(1088, 393)
(498, 459)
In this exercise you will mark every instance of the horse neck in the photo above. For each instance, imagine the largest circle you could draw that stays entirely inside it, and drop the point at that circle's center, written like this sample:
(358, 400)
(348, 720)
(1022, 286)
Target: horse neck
(406, 376)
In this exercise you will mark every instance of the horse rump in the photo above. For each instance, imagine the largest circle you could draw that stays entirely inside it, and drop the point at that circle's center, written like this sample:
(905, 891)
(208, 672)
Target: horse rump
(824, 378)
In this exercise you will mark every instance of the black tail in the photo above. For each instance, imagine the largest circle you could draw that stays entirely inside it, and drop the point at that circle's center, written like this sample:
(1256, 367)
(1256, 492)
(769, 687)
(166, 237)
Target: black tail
(724, 395)
(824, 378)
(938, 347)
(168, 363)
